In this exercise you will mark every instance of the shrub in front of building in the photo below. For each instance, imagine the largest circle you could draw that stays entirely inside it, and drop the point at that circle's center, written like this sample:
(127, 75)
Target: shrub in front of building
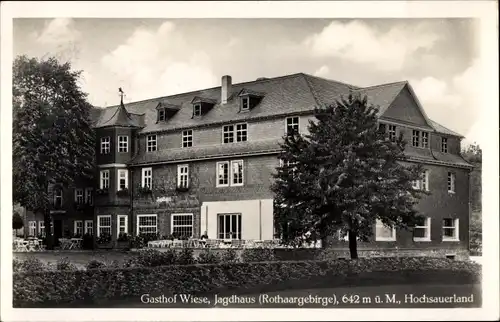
(97, 286)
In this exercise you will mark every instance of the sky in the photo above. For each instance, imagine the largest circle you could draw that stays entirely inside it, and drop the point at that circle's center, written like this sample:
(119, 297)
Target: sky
(156, 57)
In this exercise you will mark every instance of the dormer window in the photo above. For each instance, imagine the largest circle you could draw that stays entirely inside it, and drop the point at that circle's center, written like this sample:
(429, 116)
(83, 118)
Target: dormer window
(245, 103)
(202, 105)
(166, 111)
(249, 99)
(197, 110)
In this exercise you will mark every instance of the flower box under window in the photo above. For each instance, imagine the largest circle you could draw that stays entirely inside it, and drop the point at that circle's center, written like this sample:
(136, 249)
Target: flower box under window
(144, 191)
(101, 192)
(182, 188)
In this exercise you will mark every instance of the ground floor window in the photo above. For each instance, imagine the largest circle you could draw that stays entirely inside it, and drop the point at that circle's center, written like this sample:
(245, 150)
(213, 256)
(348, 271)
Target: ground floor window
(450, 229)
(89, 227)
(78, 228)
(103, 225)
(32, 228)
(146, 224)
(182, 225)
(41, 228)
(122, 223)
(383, 232)
(229, 226)
(422, 230)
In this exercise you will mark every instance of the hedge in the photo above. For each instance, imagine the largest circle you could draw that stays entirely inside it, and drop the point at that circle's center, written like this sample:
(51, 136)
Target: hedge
(98, 286)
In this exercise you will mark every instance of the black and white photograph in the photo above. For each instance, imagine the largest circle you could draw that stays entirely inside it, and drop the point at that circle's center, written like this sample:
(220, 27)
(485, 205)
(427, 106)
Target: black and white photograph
(210, 160)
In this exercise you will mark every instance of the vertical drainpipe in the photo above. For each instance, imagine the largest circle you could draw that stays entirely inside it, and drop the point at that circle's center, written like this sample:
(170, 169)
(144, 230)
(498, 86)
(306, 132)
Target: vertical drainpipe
(206, 218)
(131, 202)
(260, 219)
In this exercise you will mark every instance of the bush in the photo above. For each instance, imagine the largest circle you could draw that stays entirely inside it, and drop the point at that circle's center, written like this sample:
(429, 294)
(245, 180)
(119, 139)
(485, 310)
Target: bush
(229, 256)
(185, 257)
(95, 264)
(64, 264)
(252, 255)
(31, 264)
(153, 258)
(100, 285)
(206, 256)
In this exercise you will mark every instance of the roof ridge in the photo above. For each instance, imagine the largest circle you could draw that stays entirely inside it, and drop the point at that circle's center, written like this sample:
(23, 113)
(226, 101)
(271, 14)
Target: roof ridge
(383, 85)
(207, 89)
(331, 81)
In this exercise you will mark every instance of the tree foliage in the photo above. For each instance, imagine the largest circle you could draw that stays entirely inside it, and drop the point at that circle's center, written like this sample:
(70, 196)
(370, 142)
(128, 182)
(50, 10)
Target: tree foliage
(473, 153)
(342, 176)
(53, 141)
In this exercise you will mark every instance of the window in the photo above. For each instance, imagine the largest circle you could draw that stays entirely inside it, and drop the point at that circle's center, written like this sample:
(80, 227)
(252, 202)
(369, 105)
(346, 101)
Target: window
(292, 125)
(89, 198)
(444, 145)
(78, 228)
(122, 144)
(392, 133)
(187, 138)
(245, 103)
(79, 196)
(104, 182)
(451, 182)
(228, 134)
(103, 225)
(183, 175)
(41, 228)
(241, 132)
(237, 173)
(289, 164)
(229, 226)
(146, 224)
(147, 177)
(416, 138)
(197, 109)
(450, 229)
(420, 139)
(32, 228)
(425, 139)
(182, 225)
(223, 174)
(384, 233)
(151, 143)
(122, 224)
(161, 115)
(58, 198)
(422, 230)
(122, 179)
(423, 183)
(105, 145)
(89, 227)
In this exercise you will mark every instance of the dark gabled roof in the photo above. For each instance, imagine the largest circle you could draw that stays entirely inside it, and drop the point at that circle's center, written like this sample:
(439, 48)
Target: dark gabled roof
(204, 152)
(296, 93)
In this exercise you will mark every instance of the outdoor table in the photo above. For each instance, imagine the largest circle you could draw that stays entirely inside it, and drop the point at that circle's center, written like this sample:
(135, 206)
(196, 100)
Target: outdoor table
(20, 245)
(65, 243)
(75, 243)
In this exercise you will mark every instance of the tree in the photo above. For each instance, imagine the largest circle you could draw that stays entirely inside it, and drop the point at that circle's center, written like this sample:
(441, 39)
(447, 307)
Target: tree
(53, 141)
(473, 154)
(342, 176)
(17, 221)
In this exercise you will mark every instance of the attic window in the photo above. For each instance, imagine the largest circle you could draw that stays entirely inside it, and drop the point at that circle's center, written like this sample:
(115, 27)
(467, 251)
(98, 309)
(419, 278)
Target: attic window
(197, 110)
(245, 103)
(161, 115)
(249, 99)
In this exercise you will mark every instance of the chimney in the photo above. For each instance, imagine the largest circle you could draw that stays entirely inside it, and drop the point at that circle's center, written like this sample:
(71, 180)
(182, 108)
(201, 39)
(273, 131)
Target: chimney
(225, 89)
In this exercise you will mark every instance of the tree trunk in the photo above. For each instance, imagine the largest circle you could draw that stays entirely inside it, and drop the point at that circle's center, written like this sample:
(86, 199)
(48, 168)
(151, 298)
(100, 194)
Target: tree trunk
(324, 242)
(48, 233)
(353, 245)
